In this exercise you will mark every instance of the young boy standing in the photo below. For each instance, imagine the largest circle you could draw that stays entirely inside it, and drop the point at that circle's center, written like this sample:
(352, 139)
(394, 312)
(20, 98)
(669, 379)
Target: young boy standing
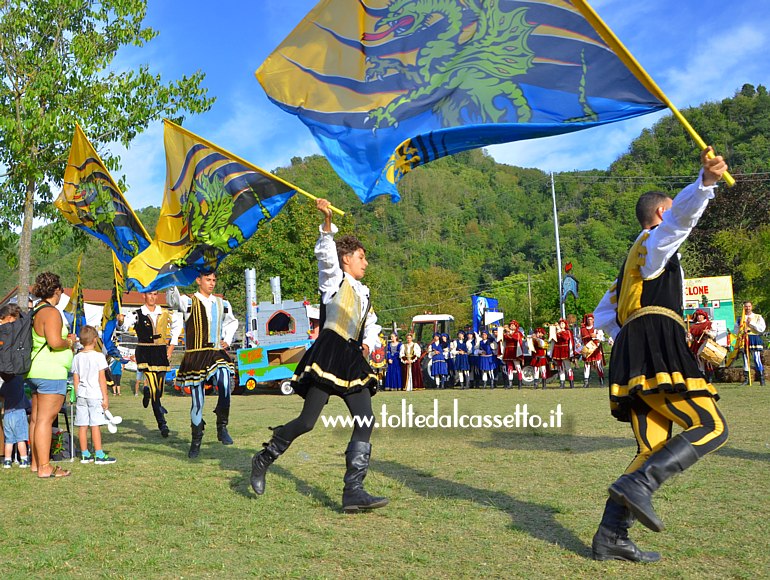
(15, 422)
(88, 369)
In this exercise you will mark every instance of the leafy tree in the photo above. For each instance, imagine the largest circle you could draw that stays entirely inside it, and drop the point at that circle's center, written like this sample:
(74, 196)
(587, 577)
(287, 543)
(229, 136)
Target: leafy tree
(56, 58)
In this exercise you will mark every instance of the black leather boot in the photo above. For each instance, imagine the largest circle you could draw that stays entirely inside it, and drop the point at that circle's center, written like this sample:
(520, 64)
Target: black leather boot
(145, 396)
(197, 437)
(572, 383)
(761, 378)
(543, 382)
(520, 381)
(561, 384)
(160, 416)
(611, 541)
(585, 383)
(745, 378)
(223, 415)
(601, 381)
(265, 458)
(354, 496)
(635, 489)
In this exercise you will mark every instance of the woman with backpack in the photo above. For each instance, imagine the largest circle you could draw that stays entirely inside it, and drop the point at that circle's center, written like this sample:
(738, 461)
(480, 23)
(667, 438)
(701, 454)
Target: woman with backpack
(51, 360)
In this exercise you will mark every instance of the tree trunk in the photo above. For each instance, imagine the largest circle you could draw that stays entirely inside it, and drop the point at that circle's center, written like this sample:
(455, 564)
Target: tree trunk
(25, 246)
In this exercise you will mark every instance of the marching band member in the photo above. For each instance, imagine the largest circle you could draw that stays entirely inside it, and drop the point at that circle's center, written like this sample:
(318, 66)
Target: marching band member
(209, 330)
(410, 358)
(473, 359)
(438, 365)
(540, 356)
(487, 362)
(700, 332)
(157, 332)
(563, 352)
(462, 366)
(512, 352)
(753, 326)
(589, 333)
(654, 378)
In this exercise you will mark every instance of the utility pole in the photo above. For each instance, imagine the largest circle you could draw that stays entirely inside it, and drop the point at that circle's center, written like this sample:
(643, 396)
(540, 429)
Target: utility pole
(558, 245)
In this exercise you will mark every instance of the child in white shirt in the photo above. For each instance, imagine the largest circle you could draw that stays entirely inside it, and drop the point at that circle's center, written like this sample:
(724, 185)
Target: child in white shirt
(88, 369)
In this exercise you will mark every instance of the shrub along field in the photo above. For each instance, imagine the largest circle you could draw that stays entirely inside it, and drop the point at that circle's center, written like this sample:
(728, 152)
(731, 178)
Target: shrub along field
(483, 502)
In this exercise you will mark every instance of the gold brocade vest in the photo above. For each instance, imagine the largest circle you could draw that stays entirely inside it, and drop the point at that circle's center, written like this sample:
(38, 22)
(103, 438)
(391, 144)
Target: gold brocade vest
(343, 313)
(149, 334)
(635, 294)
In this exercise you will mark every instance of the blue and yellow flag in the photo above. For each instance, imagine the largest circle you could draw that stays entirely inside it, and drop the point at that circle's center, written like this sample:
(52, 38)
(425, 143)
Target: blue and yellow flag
(388, 85)
(92, 201)
(75, 308)
(214, 202)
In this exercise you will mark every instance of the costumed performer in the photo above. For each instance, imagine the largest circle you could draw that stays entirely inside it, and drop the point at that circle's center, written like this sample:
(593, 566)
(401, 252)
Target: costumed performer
(336, 364)
(209, 329)
(590, 334)
(654, 377)
(751, 326)
(157, 332)
(410, 358)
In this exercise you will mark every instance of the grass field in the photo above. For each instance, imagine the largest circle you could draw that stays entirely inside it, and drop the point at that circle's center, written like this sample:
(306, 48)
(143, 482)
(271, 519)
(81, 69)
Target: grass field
(465, 503)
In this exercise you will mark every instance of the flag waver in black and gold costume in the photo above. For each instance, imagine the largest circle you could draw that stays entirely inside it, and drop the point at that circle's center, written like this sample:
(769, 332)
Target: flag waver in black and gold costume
(655, 381)
(336, 364)
(157, 332)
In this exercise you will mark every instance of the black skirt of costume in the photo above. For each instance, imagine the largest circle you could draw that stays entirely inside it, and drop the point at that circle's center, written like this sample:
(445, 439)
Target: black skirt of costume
(151, 358)
(651, 355)
(199, 366)
(335, 365)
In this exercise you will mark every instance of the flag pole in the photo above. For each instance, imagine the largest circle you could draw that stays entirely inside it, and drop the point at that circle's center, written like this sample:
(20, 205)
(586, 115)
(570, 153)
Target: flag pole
(633, 65)
(251, 165)
(558, 245)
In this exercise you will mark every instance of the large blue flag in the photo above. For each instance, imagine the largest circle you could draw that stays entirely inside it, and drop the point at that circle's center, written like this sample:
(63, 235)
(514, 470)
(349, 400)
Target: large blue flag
(388, 85)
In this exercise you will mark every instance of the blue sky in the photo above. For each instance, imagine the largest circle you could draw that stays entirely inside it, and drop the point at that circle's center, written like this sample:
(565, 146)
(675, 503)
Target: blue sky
(695, 51)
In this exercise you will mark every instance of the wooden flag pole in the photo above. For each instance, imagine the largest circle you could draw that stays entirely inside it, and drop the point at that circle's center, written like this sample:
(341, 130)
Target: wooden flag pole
(634, 66)
(251, 165)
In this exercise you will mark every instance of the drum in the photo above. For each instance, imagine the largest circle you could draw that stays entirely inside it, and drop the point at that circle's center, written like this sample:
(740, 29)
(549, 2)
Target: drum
(528, 374)
(712, 352)
(589, 348)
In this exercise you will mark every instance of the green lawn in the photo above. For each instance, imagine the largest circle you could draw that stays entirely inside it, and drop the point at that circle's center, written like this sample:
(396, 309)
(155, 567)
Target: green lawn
(464, 502)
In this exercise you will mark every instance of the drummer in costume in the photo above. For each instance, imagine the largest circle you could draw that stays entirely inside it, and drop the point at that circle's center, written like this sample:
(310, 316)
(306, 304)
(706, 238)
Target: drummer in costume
(209, 329)
(393, 379)
(410, 358)
(751, 326)
(336, 364)
(157, 333)
(540, 356)
(592, 338)
(700, 332)
(563, 352)
(654, 378)
(473, 359)
(462, 366)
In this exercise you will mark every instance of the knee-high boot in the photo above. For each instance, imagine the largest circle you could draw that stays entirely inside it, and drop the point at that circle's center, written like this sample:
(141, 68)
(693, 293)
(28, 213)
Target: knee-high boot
(223, 417)
(611, 541)
(160, 417)
(635, 489)
(273, 449)
(354, 496)
(197, 438)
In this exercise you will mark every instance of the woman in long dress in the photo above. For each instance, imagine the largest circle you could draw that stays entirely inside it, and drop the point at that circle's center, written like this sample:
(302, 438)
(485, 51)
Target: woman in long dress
(410, 358)
(393, 379)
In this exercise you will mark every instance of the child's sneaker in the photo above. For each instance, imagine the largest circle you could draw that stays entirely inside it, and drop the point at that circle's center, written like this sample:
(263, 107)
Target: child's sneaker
(104, 460)
(6, 464)
(86, 458)
(24, 463)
